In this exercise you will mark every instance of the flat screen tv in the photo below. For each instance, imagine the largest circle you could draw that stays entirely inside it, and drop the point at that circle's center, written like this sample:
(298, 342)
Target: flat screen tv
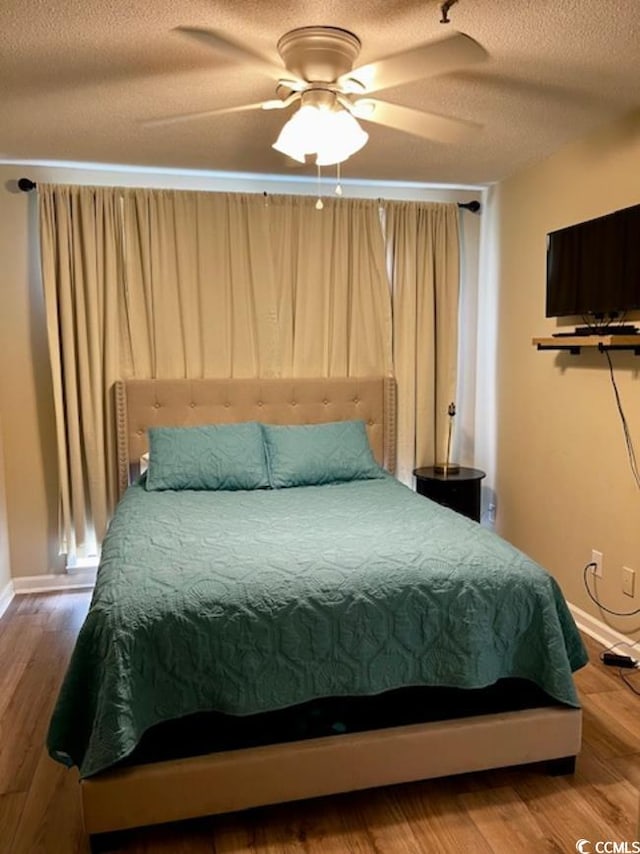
(593, 268)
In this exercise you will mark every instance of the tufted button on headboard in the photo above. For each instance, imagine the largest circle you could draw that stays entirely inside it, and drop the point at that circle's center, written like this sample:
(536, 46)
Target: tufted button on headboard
(141, 404)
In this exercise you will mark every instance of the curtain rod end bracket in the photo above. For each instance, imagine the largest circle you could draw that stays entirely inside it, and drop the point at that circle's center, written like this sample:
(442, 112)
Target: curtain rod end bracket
(473, 206)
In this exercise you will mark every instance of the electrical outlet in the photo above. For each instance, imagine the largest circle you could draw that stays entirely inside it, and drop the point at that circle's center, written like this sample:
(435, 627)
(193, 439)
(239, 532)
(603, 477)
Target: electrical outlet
(628, 581)
(597, 558)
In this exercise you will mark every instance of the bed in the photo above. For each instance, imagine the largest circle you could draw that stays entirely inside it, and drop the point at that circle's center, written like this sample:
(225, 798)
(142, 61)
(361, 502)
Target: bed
(354, 601)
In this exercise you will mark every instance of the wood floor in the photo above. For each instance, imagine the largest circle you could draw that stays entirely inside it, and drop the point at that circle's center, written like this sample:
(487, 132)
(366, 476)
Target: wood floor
(505, 812)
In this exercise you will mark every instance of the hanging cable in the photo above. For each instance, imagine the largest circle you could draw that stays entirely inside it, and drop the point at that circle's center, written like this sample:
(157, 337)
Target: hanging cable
(625, 427)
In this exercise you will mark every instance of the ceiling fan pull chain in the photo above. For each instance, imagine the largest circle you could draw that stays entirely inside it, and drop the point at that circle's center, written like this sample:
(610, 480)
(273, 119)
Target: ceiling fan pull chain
(319, 203)
(338, 185)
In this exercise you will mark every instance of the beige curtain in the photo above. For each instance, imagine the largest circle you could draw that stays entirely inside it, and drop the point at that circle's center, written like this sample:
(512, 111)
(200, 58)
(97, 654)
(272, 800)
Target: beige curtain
(423, 245)
(333, 293)
(200, 298)
(242, 285)
(80, 244)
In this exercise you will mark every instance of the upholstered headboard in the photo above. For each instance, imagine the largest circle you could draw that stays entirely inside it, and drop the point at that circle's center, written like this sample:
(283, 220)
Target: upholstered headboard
(141, 404)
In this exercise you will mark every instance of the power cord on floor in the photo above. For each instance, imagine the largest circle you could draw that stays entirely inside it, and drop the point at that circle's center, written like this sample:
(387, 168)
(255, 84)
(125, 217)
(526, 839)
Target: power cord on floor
(628, 682)
(621, 674)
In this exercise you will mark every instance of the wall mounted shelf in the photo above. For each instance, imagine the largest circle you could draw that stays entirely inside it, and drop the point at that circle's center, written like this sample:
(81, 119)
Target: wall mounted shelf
(574, 343)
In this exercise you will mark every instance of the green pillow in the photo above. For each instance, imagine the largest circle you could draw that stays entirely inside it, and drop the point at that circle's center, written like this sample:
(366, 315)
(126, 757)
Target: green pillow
(221, 456)
(303, 455)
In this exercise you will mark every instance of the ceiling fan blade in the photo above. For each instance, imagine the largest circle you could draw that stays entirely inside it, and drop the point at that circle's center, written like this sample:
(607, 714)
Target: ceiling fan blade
(187, 117)
(235, 51)
(427, 125)
(437, 57)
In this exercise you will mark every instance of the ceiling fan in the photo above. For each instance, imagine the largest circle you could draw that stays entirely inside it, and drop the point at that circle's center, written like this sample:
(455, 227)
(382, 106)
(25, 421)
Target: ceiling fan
(318, 74)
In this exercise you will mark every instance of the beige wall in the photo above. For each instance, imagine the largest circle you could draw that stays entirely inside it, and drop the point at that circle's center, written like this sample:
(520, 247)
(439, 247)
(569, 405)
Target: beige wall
(25, 388)
(563, 481)
(5, 568)
(25, 392)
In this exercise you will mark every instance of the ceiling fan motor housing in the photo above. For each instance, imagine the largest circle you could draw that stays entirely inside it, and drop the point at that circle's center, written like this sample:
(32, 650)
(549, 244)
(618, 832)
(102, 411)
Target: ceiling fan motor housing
(319, 54)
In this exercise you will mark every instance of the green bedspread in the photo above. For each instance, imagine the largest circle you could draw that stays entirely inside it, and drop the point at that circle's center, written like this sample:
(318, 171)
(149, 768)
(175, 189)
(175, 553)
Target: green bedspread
(243, 602)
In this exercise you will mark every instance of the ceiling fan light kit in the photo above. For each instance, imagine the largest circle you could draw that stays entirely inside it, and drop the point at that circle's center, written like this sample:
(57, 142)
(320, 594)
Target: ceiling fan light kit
(331, 133)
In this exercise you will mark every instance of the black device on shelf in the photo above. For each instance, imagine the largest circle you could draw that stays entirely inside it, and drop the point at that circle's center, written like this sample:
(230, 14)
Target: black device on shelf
(613, 329)
(593, 269)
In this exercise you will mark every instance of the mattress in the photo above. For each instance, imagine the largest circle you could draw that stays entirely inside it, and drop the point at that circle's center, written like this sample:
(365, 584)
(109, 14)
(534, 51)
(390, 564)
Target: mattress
(251, 601)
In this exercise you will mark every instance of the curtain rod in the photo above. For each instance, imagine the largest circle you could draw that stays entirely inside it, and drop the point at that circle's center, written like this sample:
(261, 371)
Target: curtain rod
(26, 185)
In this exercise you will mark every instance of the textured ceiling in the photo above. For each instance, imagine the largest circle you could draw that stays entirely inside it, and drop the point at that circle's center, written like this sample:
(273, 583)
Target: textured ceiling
(79, 77)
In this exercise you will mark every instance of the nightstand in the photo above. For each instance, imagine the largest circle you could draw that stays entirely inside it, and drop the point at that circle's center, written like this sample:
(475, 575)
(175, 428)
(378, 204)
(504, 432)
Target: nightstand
(460, 491)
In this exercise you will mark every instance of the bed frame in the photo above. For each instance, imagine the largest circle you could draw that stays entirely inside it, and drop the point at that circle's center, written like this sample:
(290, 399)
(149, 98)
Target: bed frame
(234, 780)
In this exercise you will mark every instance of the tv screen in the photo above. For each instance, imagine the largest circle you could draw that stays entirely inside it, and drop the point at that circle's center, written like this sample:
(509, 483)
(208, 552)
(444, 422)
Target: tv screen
(593, 268)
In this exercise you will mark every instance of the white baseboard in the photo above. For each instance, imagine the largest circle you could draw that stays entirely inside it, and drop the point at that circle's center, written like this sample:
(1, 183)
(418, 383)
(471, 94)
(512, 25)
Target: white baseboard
(81, 580)
(6, 596)
(599, 631)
